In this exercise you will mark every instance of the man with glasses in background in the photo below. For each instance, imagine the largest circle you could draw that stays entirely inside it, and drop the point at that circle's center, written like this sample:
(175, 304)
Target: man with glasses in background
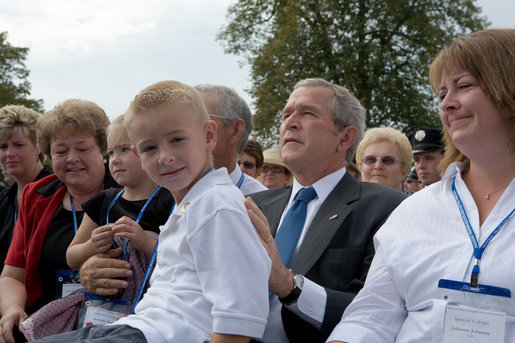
(233, 126)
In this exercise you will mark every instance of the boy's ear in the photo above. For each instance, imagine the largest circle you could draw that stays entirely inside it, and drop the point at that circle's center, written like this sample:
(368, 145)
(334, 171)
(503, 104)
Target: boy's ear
(210, 135)
(134, 150)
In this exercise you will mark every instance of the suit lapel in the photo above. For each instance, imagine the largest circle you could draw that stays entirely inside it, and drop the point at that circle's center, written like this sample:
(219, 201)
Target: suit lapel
(326, 222)
(273, 208)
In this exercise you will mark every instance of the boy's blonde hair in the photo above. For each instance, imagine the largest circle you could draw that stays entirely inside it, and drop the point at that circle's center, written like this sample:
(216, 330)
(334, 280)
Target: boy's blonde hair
(163, 92)
(73, 115)
(489, 56)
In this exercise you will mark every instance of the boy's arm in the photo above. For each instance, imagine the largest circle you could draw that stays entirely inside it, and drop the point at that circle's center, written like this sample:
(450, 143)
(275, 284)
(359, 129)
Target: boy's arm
(81, 248)
(222, 338)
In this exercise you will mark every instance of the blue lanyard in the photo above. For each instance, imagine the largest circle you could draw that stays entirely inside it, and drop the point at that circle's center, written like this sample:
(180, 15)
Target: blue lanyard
(75, 226)
(119, 194)
(153, 259)
(149, 268)
(15, 215)
(478, 251)
(138, 219)
(240, 181)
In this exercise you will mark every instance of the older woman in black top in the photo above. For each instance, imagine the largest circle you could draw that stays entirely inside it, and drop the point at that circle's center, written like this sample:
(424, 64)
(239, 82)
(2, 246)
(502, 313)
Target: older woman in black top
(74, 135)
(21, 159)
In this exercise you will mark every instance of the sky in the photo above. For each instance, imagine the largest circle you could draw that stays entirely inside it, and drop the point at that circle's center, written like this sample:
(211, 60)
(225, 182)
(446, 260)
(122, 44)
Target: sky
(107, 51)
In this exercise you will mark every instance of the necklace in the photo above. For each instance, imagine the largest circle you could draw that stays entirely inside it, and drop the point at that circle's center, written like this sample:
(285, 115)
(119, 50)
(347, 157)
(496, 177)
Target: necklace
(487, 195)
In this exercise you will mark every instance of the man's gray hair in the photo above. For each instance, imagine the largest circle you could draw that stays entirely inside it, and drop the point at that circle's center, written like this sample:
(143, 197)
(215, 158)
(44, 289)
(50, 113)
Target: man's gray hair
(231, 107)
(345, 107)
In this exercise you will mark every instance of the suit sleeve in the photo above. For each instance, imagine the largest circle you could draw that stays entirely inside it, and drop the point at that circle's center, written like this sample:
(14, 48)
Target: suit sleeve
(343, 267)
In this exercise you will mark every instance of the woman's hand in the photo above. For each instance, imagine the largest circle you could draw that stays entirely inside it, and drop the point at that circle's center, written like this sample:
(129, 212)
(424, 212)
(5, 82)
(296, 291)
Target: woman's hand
(14, 316)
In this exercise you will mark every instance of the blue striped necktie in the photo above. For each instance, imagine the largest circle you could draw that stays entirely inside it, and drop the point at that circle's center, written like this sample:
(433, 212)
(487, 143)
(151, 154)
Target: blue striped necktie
(289, 232)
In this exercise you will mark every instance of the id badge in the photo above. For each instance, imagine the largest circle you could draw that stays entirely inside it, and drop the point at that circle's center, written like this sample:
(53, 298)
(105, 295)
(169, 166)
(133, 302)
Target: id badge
(67, 283)
(97, 310)
(480, 289)
(469, 325)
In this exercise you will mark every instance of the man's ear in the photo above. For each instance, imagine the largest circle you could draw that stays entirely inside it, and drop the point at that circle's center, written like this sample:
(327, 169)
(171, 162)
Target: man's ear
(134, 150)
(347, 137)
(237, 129)
(210, 135)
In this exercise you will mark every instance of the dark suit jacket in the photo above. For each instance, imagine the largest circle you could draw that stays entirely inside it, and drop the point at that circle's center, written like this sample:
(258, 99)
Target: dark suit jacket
(337, 250)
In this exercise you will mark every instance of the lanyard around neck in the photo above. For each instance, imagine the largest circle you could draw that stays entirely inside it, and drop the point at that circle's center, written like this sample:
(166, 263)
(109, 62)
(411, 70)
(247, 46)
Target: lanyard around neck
(148, 270)
(478, 251)
(75, 225)
(240, 181)
(119, 194)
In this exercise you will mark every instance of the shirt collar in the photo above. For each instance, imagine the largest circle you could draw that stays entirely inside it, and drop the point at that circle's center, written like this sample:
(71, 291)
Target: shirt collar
(236, 174)
(323, 186)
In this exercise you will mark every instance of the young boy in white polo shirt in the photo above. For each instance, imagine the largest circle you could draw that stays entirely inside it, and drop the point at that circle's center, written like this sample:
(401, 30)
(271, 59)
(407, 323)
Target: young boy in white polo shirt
(210, 282)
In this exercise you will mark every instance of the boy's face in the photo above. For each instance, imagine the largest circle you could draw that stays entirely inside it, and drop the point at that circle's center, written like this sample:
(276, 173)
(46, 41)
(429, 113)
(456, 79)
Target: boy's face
(174, 147)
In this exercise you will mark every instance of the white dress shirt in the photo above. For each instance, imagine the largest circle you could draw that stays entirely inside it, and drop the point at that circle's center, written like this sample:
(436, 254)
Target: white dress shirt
(311, 303)
(246, 183)
(211, 272)
(425, 240)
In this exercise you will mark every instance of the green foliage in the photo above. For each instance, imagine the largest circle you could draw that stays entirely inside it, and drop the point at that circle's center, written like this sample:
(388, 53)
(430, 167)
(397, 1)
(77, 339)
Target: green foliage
(14, 86)
(379, 49)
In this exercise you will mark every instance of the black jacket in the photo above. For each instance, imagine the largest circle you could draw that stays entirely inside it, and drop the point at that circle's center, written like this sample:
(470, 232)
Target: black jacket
(7, 209)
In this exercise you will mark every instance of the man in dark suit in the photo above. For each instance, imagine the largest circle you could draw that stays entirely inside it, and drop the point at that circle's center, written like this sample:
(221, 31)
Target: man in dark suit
(322, 124)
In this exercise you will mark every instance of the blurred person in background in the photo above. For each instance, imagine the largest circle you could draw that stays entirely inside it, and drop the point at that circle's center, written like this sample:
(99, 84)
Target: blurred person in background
(274, 171)
(384, 157)
(412, 183)
(428, 149)
(250, 159)
(21, 162)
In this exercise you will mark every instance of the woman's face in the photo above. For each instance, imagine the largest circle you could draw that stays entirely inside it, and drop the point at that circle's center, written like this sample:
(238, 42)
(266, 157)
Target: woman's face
(274, 176)
(471, 118)
(77, 160)
(19, 156)
(381, 164)
(247, 164)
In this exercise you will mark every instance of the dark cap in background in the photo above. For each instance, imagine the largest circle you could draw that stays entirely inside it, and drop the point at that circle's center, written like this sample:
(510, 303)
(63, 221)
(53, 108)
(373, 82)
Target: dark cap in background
(426, 139)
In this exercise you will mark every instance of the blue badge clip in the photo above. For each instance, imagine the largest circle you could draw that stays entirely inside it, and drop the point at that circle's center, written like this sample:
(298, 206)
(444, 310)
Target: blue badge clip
(480, 289)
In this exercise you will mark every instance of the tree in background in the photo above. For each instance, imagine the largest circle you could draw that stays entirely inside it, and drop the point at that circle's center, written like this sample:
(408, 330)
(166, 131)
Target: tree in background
(14, 86)
(379, 49)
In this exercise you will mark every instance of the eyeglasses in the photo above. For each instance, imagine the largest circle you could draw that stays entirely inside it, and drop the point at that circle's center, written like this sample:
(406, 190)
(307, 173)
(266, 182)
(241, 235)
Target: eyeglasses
(247, 165)
(275, 170)
(216, 115)
(371, 160)
(409, 181)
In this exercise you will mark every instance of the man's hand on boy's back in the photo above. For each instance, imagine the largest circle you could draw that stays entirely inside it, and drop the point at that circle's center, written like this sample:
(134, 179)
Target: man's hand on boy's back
(101, 274)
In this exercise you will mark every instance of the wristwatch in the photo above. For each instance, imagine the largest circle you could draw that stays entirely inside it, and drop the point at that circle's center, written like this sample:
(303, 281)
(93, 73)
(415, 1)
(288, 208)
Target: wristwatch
(298, 284)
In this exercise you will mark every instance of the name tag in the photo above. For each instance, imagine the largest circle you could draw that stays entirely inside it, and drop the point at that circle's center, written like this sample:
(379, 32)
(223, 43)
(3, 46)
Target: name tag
(100, 316)
(67, 283)
(470, 325)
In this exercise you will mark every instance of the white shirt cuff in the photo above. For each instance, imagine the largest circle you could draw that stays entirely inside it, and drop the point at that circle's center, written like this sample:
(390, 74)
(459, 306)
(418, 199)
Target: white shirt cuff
(311, 304)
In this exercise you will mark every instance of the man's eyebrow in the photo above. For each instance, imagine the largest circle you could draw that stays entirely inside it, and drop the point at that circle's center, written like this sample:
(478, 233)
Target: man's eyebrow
(301, 107)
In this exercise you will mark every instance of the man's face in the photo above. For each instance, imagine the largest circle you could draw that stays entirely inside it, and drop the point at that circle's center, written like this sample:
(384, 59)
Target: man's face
(309, 138)
(426, 164)
(211, 101)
